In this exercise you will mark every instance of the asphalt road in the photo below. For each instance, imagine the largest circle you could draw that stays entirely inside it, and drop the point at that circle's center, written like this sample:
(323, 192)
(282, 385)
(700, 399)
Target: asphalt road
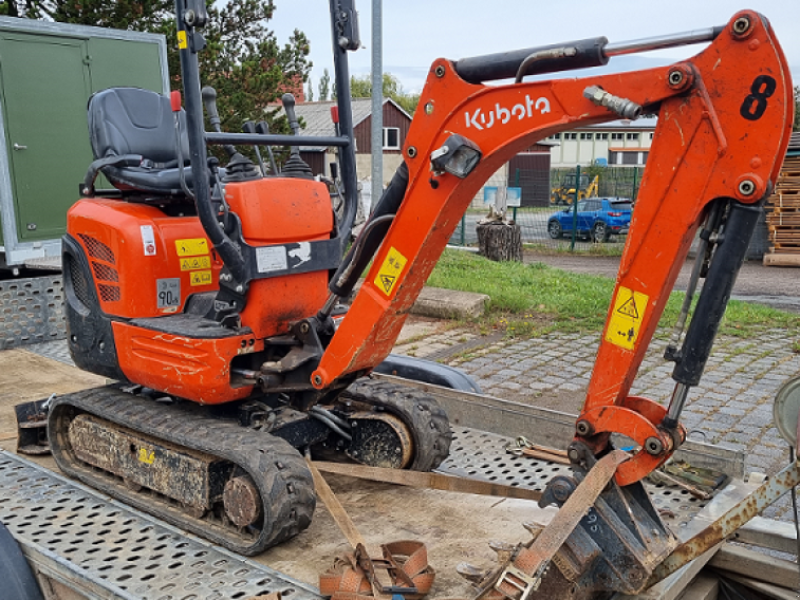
(533, 225)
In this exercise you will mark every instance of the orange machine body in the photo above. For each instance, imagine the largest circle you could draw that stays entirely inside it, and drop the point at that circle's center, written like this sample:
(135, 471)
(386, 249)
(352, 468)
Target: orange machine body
(146, 264)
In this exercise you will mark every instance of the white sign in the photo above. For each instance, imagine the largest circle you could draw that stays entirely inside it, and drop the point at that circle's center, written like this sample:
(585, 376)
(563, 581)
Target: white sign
(271, 258)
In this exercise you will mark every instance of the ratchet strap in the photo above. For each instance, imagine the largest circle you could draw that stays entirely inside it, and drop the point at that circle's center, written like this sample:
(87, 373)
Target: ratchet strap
(402, 567)
(431, 481)
(521, 575)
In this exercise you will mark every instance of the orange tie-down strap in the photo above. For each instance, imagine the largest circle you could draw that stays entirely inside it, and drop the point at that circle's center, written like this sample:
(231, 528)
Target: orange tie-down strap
(403, 569)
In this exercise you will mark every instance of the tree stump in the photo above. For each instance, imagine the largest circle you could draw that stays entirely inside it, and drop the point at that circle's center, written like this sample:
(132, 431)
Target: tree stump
(500, 241)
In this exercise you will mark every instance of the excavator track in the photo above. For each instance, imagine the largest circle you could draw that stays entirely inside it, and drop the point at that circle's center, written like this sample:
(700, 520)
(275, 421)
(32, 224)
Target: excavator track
(262, 469)
(426, 421)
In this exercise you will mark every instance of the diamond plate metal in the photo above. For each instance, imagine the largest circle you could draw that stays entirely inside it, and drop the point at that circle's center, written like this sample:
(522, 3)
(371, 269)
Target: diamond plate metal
(120, 551)
(31, 311)
(481, 455)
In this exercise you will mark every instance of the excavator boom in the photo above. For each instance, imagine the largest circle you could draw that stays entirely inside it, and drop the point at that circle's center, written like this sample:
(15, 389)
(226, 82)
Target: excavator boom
(724, 122)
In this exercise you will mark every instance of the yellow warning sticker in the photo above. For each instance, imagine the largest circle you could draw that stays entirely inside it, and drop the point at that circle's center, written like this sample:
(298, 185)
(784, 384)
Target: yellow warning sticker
(192, 247)
(183, 44)
(201, 278)
(146, 456)
(198, 262)
(626, 318)
(390, 271)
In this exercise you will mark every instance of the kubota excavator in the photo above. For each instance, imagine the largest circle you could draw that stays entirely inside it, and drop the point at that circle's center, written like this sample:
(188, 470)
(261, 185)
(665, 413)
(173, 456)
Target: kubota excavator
(212, 295)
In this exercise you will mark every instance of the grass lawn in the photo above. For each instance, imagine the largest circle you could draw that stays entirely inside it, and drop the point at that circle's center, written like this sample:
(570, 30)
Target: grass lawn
(531, 299)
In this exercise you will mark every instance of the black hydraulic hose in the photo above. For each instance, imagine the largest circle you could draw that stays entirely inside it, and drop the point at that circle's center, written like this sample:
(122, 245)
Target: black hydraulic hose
(347, 275)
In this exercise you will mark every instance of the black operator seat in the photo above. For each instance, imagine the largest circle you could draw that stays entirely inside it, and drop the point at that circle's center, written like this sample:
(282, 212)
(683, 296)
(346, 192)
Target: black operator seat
(132, 133)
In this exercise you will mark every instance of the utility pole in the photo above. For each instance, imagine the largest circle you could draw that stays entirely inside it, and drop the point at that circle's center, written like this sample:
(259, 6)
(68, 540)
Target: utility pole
(377, 102)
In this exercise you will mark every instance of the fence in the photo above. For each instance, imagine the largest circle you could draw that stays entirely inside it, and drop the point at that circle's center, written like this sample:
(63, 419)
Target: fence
(540, 207)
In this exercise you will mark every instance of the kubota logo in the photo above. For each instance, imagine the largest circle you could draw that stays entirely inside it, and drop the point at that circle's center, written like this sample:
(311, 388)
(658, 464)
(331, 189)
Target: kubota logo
(500, 114)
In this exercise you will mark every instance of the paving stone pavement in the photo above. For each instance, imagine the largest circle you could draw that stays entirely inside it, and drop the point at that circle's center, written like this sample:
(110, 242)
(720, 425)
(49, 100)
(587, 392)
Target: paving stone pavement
(732, 406)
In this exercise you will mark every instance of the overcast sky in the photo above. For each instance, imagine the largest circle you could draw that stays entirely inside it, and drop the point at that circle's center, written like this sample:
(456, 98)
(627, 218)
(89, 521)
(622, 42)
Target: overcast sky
(416, 32)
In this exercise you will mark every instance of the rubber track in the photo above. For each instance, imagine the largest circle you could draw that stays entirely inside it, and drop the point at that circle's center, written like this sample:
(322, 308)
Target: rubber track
(283, 480)
(430, 428)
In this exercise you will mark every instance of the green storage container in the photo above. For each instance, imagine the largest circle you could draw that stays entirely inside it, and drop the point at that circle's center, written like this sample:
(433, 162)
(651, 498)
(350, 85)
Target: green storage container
(47, 73)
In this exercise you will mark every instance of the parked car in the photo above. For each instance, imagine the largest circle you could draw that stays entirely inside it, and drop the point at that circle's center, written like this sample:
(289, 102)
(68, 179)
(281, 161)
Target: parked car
(598, 219)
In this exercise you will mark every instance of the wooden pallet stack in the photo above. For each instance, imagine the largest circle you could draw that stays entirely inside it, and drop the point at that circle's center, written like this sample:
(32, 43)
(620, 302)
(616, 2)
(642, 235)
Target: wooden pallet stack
(783, 213)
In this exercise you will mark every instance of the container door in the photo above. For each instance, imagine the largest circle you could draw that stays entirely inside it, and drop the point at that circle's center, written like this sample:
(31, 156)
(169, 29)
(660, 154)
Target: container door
(45, 84)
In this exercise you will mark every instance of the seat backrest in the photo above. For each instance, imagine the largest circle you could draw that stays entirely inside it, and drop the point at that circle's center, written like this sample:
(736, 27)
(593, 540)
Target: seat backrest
(135, 121)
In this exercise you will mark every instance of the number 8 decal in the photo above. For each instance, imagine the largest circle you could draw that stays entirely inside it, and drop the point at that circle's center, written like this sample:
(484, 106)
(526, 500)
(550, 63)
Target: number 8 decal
(755, 103)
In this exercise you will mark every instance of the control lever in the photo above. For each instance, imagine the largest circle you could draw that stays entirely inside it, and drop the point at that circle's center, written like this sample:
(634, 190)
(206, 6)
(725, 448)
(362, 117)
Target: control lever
(295, 166)
(239, 167)
(263, 129)
(210, 102)
(250, 127)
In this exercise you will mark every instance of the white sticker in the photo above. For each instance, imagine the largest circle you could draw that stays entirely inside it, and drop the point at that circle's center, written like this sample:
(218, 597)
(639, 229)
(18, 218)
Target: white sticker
(271, 258)
(148, 240)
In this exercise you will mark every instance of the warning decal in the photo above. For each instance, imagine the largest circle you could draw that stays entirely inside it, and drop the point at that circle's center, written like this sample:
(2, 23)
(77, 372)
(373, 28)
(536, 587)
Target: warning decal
(198, 262)
(193, 247)
(390, 271)
(201, 278)
(626, 318)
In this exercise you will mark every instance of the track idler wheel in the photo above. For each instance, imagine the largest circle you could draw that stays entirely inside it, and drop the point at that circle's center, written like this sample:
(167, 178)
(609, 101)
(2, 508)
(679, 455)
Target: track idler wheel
(380, 440)
(396, 425)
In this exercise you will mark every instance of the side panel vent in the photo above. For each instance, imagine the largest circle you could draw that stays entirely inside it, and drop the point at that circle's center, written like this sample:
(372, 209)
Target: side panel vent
(97, 249)
(79, 284)
(104, 273)
(108, 293)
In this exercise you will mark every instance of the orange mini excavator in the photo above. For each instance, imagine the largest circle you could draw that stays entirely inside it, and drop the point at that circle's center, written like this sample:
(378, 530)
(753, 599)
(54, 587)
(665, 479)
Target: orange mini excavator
(212, 294)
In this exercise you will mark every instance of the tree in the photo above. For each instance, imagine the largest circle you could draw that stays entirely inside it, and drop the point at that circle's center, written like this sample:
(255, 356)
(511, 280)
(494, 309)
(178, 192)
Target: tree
(361, 87)
(310, 91)
(324, 85)
(243, 60)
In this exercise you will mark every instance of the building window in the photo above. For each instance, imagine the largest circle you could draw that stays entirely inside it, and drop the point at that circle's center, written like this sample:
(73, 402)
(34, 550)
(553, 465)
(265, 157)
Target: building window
(391, 138)
(570, 136)
(586, 136)
(632, 136)
(651, 135)
(601, 136)
(555, 136)
(617, 136)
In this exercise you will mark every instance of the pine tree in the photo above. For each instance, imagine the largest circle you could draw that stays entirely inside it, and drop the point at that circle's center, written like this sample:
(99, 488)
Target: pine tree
(324, 85)
(243, 60)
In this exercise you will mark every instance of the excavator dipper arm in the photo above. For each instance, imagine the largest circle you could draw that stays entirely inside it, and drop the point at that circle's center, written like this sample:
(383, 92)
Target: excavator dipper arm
(724, 119)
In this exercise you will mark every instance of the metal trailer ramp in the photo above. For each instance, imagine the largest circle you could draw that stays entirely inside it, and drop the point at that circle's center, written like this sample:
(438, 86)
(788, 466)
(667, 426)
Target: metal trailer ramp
(108, 551)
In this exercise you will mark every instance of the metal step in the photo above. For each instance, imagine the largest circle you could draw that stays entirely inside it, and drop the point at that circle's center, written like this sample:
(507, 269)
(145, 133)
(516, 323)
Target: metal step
(107, 550)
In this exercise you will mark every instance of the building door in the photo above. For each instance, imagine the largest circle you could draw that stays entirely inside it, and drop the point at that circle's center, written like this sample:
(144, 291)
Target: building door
(531, 172)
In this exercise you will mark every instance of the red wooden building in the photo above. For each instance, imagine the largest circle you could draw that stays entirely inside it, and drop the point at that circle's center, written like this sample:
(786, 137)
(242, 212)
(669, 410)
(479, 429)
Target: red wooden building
(318, 121)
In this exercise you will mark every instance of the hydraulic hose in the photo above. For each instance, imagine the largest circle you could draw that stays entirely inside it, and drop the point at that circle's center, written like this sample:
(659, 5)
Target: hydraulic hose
(347, 274)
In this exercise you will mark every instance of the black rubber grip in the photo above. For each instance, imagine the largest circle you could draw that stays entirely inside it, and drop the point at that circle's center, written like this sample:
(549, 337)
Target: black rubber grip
(504, 65)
